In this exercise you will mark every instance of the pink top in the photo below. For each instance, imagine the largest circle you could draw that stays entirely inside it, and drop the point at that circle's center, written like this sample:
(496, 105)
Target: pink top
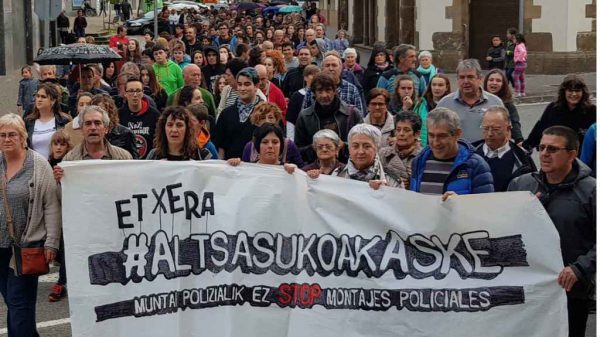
(520, 53)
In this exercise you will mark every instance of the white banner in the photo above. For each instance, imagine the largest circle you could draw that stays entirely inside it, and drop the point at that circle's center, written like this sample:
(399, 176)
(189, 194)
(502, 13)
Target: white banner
(158, 248)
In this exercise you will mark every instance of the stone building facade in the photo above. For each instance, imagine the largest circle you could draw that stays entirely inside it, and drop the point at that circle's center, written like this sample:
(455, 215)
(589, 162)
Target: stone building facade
(560, 35)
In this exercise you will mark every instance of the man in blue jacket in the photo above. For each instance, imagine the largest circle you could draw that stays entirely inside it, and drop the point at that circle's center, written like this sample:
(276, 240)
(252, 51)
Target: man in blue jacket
(449, 165)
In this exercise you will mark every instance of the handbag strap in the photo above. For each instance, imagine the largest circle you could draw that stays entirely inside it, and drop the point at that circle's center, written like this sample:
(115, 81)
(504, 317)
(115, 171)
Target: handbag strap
(9, 219)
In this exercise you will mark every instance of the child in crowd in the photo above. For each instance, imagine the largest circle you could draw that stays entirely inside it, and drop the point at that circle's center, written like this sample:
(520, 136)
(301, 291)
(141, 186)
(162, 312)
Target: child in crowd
(520, 58)
(27, 89)
(60, 145)
(496, 54)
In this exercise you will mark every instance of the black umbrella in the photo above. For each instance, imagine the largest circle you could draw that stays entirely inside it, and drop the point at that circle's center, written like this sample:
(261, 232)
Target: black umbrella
(77, 53)
(248, 6)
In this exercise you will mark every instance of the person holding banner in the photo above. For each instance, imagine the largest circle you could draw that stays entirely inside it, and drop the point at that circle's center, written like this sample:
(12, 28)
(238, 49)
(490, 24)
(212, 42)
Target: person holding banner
(234, 128)
(327, 144)
(32, 202)
(449, 165)
(174, 138)
(568, 193)
(365, 164)
(95, 126)
(268, 140)
(397, 158)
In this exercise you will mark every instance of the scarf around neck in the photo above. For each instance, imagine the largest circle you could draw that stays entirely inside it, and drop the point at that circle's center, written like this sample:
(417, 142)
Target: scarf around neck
(244, 110)
(374, 172)
(430, 70)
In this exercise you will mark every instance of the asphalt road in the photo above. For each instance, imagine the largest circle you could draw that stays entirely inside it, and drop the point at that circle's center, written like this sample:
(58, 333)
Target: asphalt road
(53, 318)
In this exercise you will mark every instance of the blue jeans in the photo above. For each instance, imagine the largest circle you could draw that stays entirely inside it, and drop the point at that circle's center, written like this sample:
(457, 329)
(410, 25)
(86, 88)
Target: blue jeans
(79, 32)
(20, 294)
(509, 72)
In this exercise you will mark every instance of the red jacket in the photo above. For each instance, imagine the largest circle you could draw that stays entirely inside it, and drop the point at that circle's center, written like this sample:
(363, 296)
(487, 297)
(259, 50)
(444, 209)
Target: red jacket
(276, 97)
(114, 41)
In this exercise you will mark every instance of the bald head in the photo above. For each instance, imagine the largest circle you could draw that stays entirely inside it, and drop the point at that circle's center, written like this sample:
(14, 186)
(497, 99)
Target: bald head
(192, 76)
(263, 77)
(310, 35)
(267, 45)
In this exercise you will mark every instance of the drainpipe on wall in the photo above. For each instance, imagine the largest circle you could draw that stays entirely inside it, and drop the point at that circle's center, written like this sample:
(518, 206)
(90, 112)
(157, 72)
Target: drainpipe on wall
(2, 44)
(521, 15)
(28, 31)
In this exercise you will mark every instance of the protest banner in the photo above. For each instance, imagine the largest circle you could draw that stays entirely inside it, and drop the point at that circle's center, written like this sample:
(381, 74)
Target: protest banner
(162, 248)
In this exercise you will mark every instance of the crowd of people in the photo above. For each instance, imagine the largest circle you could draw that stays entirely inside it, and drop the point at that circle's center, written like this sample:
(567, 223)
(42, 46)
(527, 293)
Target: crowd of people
(275, 90)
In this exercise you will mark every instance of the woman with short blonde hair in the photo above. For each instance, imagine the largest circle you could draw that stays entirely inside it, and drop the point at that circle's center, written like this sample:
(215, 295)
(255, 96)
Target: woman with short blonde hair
(32, 201)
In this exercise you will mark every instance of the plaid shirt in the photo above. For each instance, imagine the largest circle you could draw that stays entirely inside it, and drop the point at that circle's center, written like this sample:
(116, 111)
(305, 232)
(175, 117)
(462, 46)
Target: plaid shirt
(347, 92)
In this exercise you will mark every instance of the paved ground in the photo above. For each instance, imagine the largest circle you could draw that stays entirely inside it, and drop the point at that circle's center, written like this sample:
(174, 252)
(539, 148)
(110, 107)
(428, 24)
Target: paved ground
(53, 317)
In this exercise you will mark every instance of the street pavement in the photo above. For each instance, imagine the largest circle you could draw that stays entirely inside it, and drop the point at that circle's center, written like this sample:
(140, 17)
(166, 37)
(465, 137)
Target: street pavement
(53, 318)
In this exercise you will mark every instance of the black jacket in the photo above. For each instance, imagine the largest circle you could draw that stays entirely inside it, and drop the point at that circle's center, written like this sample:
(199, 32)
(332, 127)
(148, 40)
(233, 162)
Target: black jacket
(60, 119)
(294, 81)
(124, 138)
(308, 124)
(230, 134)
(498, 55)
(62, 21)
(578, 119)
(572, 207)
(515, 121)
(371, 77)
(211, 72)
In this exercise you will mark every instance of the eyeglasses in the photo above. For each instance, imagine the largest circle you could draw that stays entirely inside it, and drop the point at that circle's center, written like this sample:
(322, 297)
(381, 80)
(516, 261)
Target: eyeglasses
(10, 135)
(325, 147)
(494, 131)
(134, 92)
(550, 149)
(377, 104)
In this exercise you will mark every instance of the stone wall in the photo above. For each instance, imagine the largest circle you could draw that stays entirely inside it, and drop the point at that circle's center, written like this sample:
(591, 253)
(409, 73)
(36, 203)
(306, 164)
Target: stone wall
(561, 62)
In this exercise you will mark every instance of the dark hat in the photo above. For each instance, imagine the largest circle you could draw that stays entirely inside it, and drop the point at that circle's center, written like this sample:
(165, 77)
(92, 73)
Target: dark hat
(210, 48)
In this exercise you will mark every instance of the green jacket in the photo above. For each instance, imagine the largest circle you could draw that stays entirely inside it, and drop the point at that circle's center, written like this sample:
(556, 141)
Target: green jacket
(169, 76)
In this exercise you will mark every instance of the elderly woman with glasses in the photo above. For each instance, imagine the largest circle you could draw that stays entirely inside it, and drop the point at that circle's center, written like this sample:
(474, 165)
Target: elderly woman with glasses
(327, 144)
(364, 164)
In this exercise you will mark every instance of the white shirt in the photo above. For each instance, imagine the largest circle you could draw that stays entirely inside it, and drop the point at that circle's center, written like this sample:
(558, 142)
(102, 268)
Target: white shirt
(499, 152)
(42, 134)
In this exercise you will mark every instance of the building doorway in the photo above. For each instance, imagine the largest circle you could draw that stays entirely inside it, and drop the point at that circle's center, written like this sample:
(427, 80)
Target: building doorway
(487, 18)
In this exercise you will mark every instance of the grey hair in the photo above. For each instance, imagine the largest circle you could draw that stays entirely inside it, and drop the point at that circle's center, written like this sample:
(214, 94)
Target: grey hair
(498, 109)
(367, 130)
(350, 51)
(327, 134)
(335, 54)
(94, 108)
(425, 53)
(446, 116)
(469, 64)
(401, 51)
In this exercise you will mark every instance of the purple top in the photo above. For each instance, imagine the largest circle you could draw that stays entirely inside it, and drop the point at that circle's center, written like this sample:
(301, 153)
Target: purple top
(292, 156)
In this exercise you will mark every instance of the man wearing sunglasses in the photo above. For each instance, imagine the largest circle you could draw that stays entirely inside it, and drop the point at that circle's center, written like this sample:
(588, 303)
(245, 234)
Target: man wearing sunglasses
(506, 160)
(568, 193)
